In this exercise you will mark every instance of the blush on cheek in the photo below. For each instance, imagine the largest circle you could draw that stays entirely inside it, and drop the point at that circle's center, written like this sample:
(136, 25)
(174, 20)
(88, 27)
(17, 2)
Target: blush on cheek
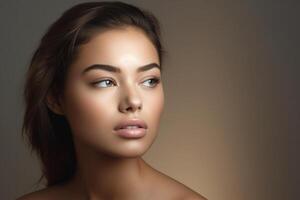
(99, 109)
(84, 110)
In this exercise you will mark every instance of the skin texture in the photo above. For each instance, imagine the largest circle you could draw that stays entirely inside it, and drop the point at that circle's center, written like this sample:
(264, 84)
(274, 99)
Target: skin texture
(111, 167)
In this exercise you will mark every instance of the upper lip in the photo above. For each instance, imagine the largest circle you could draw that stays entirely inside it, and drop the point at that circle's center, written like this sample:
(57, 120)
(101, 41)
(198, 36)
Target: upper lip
(131, 122)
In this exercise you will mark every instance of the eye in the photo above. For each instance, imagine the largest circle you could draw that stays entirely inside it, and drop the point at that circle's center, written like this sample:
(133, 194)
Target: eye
(104, 83)
(152, 82)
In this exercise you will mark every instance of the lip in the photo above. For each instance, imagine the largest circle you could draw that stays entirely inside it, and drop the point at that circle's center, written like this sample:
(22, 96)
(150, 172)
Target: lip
(131, 122)
(133, 133)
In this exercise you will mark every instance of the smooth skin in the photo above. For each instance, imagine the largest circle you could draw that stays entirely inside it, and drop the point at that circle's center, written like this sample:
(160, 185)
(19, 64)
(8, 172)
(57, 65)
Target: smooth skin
(94, 102)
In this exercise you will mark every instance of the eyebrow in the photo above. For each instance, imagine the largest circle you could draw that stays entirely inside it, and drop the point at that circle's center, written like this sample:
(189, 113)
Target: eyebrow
(114, 69)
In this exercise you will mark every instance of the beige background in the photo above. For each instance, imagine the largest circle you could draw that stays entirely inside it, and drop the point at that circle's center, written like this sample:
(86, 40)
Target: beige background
(230, 128)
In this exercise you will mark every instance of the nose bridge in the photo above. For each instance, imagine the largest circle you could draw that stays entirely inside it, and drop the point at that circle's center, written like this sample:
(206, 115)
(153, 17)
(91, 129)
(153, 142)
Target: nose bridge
(130, 98)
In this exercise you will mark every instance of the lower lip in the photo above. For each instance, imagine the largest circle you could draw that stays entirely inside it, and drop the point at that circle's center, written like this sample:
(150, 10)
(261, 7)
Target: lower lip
(131, 133)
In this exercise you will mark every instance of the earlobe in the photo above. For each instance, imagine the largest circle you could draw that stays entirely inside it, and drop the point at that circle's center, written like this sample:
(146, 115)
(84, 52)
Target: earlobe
(54, 105)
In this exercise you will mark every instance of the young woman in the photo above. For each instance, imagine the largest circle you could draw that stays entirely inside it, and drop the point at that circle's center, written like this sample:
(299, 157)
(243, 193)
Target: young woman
(94, 98)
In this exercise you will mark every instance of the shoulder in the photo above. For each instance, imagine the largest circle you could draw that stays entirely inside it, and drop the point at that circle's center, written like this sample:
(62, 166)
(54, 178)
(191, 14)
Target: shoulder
(192, 195)
(173, 189)
(37, 195)
(186, 193)
(54, 192)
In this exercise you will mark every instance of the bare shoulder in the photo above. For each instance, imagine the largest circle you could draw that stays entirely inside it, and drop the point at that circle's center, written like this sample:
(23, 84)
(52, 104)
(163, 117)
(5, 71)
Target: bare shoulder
(54, 192)
(186, 193)
(192, 195)
(175, 189)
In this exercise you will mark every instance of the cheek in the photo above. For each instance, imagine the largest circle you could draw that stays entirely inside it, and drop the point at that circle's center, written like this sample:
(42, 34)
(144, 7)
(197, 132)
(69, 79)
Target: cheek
(88, 110)
(154, 104)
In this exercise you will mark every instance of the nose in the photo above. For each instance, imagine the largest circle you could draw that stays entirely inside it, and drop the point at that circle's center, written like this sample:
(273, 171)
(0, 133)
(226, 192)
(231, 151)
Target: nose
(130, 100)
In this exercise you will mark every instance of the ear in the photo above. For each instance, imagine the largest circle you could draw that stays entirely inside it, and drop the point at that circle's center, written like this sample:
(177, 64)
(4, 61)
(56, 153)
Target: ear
(54, 105)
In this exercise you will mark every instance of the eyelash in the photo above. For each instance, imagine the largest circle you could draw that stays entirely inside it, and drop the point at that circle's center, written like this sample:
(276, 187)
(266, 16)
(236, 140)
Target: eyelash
(155, 79)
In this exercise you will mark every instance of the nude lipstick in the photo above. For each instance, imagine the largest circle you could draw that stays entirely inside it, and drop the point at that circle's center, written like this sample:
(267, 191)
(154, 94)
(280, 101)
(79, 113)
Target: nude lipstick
(131, 129)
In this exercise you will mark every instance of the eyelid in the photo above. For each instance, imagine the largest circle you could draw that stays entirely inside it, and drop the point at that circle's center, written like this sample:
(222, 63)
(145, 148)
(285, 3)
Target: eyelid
(103, 79)
(152, 76)
(156, 78)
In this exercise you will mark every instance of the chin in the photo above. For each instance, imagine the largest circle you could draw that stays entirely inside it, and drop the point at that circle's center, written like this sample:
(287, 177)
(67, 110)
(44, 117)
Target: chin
(132, 150)
(129, 149)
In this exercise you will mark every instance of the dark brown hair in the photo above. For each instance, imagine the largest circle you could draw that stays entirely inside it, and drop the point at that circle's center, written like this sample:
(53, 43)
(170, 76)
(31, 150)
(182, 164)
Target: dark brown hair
(47, 133)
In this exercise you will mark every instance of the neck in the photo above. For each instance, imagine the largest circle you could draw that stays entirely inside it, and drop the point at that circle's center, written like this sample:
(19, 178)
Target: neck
(105, 177)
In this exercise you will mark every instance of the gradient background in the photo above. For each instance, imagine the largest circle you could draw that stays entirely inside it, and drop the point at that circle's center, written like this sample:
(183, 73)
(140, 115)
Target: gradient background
(230, 128)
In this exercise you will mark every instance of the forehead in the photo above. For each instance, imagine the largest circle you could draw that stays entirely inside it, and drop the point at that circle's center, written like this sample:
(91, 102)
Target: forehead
(127, 47)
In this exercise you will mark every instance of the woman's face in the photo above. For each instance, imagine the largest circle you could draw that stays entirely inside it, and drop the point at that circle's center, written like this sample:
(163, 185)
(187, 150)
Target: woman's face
(97, 100)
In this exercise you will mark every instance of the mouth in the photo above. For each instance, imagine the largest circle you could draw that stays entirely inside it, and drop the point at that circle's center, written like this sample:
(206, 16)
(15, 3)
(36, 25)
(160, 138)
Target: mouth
(131, 129)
